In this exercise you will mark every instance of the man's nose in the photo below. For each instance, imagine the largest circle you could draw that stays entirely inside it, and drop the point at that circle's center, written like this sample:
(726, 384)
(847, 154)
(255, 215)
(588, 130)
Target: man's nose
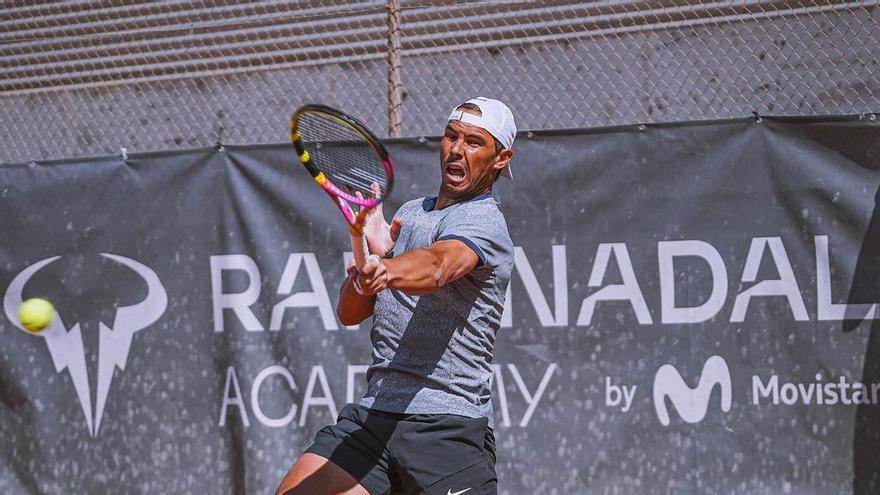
(455, 149)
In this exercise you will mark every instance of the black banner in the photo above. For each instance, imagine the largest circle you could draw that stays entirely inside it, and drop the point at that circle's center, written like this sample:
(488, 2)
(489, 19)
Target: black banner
(693, 310)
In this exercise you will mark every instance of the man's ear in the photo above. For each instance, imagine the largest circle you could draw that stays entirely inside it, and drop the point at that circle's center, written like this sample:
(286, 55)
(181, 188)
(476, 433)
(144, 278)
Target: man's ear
(503, 159)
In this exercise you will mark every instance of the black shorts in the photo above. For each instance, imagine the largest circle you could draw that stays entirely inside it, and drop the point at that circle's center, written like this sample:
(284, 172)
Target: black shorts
(411, 453)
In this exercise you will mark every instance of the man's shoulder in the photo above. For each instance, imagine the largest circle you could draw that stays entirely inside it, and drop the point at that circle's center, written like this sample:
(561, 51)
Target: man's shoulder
(412, 206)
(486, 210)
(478, 219)
(483, 204)
(416, 201)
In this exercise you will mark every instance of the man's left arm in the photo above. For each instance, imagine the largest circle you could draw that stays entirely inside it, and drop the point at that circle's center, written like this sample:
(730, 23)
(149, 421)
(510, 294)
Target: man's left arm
(419, 271)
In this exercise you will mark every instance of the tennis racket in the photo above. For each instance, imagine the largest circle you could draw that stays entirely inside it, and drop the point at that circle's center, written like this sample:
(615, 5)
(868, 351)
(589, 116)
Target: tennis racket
(346, 160)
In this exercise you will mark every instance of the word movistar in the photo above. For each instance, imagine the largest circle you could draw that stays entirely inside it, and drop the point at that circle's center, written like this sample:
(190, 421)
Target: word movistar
(818, 392)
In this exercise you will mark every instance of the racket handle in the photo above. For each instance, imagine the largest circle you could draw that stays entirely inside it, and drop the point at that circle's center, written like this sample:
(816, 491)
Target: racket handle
(360, 250)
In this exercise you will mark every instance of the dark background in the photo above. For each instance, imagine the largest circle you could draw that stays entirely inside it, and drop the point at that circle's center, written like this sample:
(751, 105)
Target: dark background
(724, 183)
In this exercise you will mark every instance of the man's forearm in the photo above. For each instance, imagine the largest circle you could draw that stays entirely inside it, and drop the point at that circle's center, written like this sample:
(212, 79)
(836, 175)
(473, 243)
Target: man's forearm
(422, 271)
(353, 308)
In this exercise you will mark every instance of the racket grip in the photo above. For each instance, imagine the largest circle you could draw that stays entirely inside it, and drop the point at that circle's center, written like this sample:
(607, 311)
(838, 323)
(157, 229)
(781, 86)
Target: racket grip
(360, 250)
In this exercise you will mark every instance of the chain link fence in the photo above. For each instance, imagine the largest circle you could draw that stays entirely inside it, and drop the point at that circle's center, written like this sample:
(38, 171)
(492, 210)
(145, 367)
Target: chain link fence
(80, 78)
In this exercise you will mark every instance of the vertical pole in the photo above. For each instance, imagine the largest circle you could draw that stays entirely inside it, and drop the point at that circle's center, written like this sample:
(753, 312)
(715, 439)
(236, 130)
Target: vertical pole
(395, 86)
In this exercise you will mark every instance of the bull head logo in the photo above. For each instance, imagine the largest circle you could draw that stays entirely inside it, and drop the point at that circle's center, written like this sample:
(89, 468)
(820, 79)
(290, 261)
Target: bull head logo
(66, 344)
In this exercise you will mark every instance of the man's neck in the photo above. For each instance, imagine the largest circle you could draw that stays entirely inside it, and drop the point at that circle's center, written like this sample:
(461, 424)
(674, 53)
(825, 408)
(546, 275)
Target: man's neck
(443, 200)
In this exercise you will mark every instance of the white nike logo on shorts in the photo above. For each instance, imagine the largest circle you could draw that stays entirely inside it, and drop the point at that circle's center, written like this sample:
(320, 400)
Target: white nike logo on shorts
(449, 492)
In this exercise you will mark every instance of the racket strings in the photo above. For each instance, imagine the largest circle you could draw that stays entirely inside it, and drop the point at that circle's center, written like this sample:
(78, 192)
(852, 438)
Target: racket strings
(342, 154)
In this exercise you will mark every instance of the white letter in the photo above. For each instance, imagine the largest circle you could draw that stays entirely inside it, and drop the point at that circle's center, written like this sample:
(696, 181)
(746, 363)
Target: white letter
(629, 290)
(858, 396)
(498, 382)
(806, 391)
(531, 400)
(536, 295)
(318, 298)
(691, 403)
(235, 400)
(239, 302)
(628, 394)
(670, 313)
(758, 388)
(309, 400)
(826, 310)
(255, 397)
(613, 395)
(786, 285)
(353, 370)
(788, 393)
(844, 397)
(831, 396)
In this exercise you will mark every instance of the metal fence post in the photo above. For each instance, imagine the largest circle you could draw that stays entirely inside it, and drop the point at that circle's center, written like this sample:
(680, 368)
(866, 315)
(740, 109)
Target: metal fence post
(395, 86)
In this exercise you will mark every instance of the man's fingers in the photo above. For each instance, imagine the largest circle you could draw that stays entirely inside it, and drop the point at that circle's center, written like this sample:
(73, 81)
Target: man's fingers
(358, 287)
(366, 282)
(361, 217)
(351, 268)
(371, 278)
(367, 286)
(371, 266)
(373, 260)
(368, 270)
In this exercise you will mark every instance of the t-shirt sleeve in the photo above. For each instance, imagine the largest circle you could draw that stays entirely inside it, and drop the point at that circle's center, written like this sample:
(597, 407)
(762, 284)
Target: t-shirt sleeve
(482, 229)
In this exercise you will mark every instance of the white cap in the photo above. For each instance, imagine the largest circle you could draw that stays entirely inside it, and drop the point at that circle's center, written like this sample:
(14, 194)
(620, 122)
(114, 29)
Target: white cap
(496, 119)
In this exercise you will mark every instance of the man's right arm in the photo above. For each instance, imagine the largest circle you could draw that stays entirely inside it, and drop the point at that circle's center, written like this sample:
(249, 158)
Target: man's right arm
(352, 307)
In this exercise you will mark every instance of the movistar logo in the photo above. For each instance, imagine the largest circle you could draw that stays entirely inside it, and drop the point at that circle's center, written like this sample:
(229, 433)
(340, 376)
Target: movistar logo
(691, 403)
(66, 344)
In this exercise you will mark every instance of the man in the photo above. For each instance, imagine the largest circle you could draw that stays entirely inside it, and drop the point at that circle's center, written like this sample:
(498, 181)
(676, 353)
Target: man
(425, 422)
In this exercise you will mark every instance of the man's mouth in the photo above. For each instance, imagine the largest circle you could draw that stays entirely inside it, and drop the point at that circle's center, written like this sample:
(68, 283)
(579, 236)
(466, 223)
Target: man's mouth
(454, 173)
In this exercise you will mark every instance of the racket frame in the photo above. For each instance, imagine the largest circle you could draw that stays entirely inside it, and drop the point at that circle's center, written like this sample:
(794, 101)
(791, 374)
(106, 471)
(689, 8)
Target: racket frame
(341, 198)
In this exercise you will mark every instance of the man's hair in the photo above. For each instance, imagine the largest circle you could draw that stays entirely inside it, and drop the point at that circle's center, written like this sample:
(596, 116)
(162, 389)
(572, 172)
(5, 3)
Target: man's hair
(474, 108)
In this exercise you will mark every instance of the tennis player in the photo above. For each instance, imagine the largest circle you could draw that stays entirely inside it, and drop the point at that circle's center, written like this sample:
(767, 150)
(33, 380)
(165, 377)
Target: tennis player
(424, 425)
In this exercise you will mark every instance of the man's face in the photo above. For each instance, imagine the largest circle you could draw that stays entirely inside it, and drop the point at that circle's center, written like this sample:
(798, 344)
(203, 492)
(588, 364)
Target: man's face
(468, 160)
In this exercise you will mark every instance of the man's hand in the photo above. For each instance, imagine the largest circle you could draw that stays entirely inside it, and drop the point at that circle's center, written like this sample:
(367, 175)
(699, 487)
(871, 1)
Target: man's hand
(380, 235)
(373, 278)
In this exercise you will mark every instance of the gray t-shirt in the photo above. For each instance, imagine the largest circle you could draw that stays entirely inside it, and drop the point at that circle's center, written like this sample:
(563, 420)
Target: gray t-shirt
(432, 354)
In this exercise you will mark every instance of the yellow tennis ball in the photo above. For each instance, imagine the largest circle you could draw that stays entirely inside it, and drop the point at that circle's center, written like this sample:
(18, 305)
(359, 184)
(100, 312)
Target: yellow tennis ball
(36, 314)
